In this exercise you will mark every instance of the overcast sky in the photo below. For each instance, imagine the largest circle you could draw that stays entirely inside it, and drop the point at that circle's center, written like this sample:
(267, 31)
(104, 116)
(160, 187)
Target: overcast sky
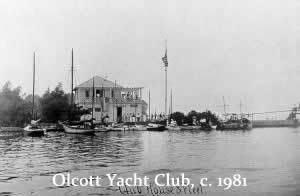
(245, 50)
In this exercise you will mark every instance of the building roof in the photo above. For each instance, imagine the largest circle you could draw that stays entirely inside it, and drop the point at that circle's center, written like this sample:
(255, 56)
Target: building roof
(98, 82)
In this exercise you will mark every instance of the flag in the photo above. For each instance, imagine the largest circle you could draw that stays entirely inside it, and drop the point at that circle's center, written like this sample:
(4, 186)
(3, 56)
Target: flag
(165, 59)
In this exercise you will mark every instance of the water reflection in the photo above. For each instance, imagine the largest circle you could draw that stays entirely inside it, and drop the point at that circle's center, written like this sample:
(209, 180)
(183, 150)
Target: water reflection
(269, 158)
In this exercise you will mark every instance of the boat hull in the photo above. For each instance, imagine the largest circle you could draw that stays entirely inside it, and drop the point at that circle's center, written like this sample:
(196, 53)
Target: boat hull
(116, 129)
(81, 131)
(160, 128)
(139, 128)
(33, 132)
(171, 128)
(236, 126)
(186, 128)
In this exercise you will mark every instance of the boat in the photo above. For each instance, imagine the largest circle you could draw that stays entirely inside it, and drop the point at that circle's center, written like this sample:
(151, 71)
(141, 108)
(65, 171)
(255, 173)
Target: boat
(77, 129)
(186, 127)
(138, 128)
(110, 128)
(174, 128)
(155, 127)
(173, 124)
(100, 129)
(236, 123)
(80, 127)
(53, 128)
(33, 129)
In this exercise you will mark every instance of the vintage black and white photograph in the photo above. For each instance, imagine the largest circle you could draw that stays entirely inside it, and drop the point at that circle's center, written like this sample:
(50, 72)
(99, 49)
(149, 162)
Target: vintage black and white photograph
(149, 97)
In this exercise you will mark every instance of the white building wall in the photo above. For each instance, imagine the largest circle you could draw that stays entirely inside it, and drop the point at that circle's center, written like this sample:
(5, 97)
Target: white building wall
(109, 109)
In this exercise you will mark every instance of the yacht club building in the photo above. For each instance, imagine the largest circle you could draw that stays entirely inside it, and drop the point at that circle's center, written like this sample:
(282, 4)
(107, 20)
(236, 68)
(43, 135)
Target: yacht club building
(114, 101)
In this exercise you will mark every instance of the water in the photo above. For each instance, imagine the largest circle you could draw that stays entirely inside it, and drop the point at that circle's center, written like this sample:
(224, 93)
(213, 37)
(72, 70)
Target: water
(268, 158)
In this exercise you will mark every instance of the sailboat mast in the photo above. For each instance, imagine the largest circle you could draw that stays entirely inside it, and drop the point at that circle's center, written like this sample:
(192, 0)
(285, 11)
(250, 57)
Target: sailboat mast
(171, 104)
(93, 100)
(72, 72)
(33, 86)
(149, 106)
(225, 114)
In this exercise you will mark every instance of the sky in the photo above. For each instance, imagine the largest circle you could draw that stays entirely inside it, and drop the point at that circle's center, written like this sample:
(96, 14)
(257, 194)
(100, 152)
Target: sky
(245, 50)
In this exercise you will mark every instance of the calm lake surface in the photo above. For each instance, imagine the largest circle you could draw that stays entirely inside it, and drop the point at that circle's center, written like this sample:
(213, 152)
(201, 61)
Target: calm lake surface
(268, 158)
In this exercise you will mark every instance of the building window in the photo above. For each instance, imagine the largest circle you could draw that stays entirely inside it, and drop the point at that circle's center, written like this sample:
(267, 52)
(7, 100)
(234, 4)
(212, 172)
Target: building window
(87, 93)
(112, 93)
(97, 109)
(99, 93)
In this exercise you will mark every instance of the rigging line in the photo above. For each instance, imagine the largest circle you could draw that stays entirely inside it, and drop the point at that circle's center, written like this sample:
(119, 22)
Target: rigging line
(271, 112)
(75, 78)
(68, 79)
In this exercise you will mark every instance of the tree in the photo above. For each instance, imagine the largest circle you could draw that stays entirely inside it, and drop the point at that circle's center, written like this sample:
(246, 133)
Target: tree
(208, 115)
(14, 110)
(55, 105)
(178, 117)
(189, 117)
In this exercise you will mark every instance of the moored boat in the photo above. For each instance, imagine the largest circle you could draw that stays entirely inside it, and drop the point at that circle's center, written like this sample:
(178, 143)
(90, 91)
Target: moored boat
(235, 123)
(186, 127)
(173, 128)
(110, 128)
(155, 127)
(78, 129)
(34, 131)
(138, 128)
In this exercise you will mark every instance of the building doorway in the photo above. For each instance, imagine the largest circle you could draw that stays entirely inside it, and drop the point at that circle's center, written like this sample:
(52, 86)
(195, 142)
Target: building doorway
(119, 114)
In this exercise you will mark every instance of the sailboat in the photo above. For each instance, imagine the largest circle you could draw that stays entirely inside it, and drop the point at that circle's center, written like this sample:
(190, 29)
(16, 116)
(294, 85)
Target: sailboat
(33, 129)
(87, 127)
(173, 124)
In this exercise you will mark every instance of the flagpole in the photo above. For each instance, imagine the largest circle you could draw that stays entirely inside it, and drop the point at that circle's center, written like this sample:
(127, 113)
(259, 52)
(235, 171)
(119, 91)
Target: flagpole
(166, 89)
(166, 82)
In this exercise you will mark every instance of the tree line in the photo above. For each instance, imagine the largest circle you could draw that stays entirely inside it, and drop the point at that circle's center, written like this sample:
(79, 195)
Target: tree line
(54, 105)
(16, 107)
(189, 118)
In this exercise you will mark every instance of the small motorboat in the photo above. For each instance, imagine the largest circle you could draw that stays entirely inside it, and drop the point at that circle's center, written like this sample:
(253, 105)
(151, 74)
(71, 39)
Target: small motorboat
(100, 129)
(155, 127)
(138, 128)
(54, 128)
(78, 129)
(117, 128)
(34, 130)
(186, 128)
(173, 128)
